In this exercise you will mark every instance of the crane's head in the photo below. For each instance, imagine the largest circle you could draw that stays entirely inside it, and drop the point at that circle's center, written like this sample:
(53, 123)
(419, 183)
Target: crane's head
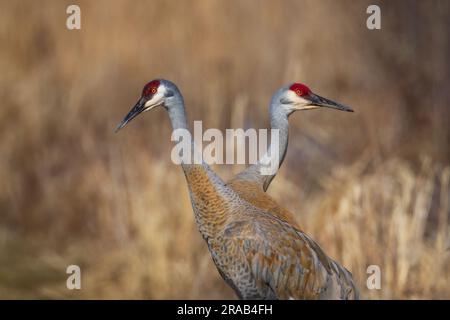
(156, 93)
(298, 96)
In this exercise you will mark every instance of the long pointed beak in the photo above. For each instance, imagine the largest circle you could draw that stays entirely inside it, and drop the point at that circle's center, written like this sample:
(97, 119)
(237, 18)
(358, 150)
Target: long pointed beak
(319, 101)
(134, 112)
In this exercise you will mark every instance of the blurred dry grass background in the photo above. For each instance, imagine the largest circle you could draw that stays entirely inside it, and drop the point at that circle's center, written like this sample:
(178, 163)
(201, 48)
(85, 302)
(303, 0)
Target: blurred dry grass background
(371, 187)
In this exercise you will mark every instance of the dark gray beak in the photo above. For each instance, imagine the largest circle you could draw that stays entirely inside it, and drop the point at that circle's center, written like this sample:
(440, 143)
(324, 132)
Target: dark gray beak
(319, 101)
(134, 112)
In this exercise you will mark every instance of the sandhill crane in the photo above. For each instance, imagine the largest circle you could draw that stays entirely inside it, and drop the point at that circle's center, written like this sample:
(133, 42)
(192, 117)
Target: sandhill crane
(250, 184)
(259, 255)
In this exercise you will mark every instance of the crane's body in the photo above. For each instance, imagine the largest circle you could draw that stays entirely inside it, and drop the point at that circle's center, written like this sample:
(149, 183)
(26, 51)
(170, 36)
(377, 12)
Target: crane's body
(258, 254)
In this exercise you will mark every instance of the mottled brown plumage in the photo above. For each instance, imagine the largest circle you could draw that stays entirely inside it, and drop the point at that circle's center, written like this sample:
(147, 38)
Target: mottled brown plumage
(260, 255)
(253, 193)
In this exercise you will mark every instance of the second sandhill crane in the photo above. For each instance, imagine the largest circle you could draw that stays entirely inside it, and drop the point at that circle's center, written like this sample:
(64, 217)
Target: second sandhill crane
(259, 255)
(250, 184)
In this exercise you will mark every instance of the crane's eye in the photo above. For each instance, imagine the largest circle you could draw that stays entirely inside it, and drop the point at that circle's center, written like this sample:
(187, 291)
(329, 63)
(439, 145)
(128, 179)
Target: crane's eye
(150, 88)
(299, 92)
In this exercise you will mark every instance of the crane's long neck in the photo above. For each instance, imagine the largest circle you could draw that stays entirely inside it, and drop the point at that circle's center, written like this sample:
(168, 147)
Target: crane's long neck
(276, 152)
(177, 115)
(211, 199)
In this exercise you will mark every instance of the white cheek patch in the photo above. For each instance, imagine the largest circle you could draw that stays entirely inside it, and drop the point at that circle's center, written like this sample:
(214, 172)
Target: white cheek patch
(299, 103)
(161, 90)
(155, 100)
(291, 95)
